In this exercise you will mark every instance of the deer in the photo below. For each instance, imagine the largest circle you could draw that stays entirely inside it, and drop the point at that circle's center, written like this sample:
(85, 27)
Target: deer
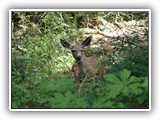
(83, 66)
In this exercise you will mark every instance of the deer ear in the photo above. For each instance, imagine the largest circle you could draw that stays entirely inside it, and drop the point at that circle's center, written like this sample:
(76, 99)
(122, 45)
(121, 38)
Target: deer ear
(87, 41)
(65, 44)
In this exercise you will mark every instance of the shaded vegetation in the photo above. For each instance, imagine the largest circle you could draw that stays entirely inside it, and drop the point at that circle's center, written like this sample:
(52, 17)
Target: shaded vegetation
(41, 66)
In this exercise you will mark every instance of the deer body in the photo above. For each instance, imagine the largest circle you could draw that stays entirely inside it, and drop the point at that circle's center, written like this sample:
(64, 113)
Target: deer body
(83, 66)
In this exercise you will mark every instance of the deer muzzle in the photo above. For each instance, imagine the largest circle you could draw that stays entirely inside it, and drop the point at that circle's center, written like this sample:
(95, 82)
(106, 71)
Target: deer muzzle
(78, 58)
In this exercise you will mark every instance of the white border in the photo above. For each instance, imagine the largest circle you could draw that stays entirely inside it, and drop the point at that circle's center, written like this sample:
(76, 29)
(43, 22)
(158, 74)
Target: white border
(107, 10)
(10, 72)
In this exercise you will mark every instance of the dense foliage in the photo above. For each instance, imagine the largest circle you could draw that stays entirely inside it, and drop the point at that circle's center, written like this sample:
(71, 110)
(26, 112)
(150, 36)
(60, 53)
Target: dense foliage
(41, 66)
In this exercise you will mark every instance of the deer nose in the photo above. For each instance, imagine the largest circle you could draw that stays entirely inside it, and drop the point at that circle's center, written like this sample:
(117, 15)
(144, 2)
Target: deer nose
(78, 58)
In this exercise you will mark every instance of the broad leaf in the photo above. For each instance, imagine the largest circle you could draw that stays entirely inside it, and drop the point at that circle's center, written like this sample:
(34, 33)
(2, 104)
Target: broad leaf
(124, 75)
(113, 79)
(115, 90)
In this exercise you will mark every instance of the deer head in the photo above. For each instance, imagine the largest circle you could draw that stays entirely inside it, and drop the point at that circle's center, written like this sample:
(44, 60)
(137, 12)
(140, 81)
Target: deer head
(77, 49)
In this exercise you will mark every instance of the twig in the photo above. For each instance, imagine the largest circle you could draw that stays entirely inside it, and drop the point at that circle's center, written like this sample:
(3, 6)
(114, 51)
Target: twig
(80, 86)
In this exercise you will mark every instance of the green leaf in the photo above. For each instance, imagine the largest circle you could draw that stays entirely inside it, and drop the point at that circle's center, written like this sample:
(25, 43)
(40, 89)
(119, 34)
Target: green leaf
(64, 24)
(141, 99)
(136, 88)
(124, 75)
(99, 103)
(46, 85)
(65, 84)
(133, 79)
(58, 97)
(59, 101)
(145, 83)
(114, 90)
(69, 96)
(113, 79)
(126, 86)
(125, 91)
